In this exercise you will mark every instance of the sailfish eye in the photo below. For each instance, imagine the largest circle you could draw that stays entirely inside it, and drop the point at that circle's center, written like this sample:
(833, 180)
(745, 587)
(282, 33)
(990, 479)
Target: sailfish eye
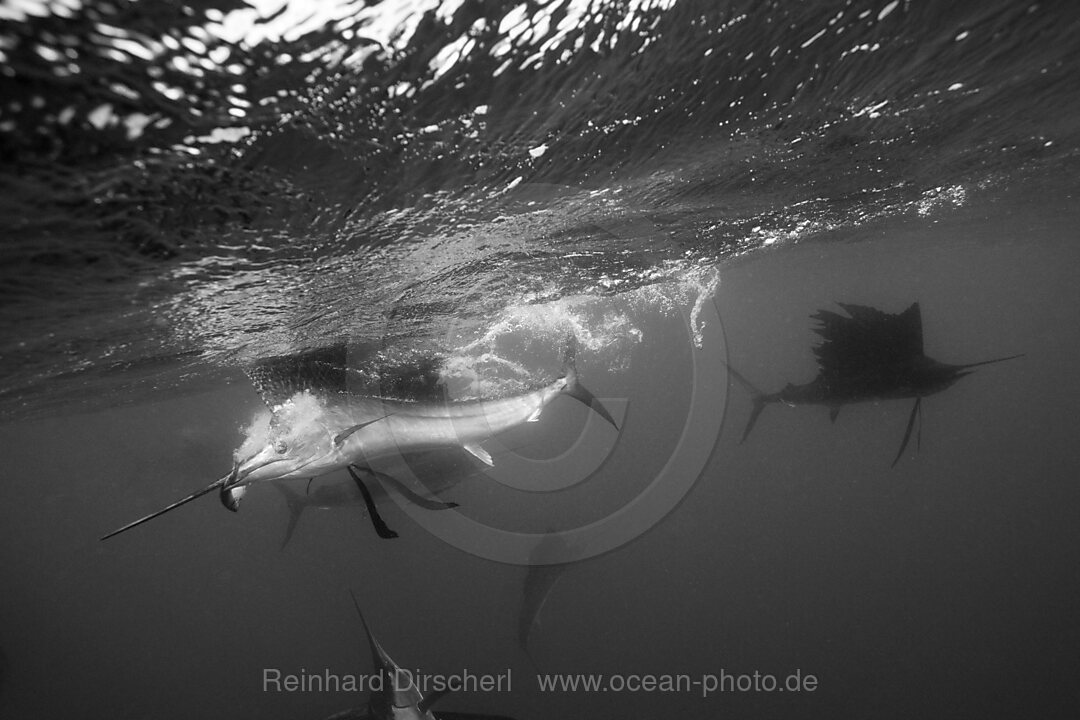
(281, 447)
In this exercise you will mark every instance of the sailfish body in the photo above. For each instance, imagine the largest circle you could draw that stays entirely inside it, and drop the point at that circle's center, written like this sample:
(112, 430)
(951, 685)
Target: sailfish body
(395, 694)
(317, 427)
(360, 430)
(313, 436)
(867, 355)
(397, 698)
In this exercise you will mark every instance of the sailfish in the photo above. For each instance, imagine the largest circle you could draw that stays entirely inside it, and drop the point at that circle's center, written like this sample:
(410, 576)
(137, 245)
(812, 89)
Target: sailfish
(395, 694)
(867, 355)
(317, 427)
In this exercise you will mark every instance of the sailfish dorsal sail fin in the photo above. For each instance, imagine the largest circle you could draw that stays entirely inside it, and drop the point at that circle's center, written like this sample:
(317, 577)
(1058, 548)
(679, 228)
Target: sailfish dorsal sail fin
(909, 335)
(351, 368)
(867, 339)
(320, 371)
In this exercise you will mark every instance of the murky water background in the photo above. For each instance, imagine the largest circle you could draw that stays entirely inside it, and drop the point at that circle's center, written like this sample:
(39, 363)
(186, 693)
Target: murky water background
(176, 205)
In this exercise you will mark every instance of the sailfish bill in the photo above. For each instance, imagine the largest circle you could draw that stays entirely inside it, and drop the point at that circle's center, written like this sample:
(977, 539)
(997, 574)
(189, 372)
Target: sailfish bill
(867, 355)
(217, 484)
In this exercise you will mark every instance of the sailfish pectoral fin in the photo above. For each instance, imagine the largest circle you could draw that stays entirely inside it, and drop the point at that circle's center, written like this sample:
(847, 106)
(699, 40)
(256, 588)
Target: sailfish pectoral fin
(381, 529)
(918, 436)
(833, 412)
(907, 433)
(412, 496)
(479, 453)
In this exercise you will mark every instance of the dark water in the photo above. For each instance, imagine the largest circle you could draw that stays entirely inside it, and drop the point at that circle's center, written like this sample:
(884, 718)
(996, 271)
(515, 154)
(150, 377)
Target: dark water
(178, 202)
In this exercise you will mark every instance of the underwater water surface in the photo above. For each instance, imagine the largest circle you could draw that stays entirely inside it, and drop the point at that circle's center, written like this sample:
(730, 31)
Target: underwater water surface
(451, 192)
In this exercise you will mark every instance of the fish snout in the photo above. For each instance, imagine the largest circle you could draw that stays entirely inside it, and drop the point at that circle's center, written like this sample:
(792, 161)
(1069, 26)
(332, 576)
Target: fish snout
(265, 464)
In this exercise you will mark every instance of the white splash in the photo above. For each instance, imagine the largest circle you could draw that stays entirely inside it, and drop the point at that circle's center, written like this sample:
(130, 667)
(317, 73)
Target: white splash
(525, 341)
(297, 411)
(256, 436)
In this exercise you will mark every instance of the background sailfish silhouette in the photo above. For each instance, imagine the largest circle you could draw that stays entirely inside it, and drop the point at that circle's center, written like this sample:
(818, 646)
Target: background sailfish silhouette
(867, 355)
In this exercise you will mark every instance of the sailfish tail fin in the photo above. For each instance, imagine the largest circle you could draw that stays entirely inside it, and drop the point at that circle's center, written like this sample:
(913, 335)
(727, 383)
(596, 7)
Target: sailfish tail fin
(759, 405)
(296, 507)
(759, 399)
(575, 389)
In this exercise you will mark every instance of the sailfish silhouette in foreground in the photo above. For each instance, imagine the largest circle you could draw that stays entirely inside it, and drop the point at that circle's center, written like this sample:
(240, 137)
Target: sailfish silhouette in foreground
(868, 355)
(395, 694)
